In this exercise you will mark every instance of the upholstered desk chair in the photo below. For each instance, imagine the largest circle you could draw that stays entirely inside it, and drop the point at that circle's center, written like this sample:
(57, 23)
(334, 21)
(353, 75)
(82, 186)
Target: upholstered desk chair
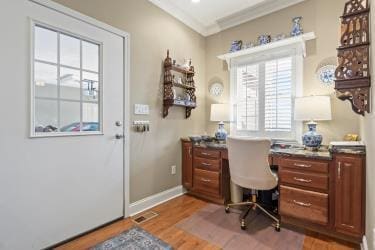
(249, 168)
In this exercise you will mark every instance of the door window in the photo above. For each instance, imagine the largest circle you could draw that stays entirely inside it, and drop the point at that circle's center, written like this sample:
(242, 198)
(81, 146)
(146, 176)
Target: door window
(66, 84)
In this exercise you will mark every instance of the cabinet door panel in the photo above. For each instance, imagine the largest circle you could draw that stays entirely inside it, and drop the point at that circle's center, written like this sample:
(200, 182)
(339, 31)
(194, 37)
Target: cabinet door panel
(187, 165)
(348, 201)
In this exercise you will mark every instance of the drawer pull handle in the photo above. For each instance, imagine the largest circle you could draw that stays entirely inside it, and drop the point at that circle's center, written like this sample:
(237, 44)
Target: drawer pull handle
(205, 180)
(203, 153)
(206, 164)
(302, 203)
(302, 180)
(345, 225)
(302, 165)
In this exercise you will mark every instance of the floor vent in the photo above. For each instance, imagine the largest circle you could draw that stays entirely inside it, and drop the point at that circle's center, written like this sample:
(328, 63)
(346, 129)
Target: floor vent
(141, 218)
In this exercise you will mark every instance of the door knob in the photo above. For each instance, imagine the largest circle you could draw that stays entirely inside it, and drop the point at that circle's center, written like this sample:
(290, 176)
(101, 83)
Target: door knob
(118, 123)
(119, 136)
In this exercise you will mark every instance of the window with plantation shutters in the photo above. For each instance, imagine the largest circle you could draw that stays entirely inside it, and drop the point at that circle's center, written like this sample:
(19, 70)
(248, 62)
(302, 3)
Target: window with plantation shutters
(263, 100)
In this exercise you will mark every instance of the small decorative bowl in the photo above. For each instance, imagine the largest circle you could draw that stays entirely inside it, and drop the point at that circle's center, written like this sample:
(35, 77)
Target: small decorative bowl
(207, 138)
(195, 139)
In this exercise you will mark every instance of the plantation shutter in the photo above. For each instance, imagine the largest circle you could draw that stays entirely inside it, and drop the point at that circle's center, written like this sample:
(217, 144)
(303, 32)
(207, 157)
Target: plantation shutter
(248, 98)
(278, 95)
(264, 96)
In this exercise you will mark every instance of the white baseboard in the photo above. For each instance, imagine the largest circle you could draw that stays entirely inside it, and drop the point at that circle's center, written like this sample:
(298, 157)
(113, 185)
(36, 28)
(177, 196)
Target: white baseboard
(154, 200)
(364, 245)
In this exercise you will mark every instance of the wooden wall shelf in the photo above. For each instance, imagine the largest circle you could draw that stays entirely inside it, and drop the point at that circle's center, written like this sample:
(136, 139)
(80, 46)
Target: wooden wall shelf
(353, 80)
(181, 70)
(188, 85)
(184, 86)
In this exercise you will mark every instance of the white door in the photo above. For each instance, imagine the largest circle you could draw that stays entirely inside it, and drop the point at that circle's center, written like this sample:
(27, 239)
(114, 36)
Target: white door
(61, 105)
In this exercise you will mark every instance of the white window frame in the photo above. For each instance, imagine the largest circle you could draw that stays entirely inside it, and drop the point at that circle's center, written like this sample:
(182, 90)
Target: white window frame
(35, 23)
(296, 53)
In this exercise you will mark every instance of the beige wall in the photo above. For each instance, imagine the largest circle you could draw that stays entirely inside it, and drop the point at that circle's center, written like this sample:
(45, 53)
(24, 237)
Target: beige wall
(152, 33)
(320, 16)
(368, 133)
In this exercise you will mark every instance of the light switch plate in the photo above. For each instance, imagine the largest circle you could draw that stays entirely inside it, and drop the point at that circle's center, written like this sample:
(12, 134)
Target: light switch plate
(141, 109)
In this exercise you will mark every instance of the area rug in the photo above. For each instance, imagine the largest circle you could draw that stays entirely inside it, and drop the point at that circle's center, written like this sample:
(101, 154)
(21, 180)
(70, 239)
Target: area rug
(133, 239)
(212, 224)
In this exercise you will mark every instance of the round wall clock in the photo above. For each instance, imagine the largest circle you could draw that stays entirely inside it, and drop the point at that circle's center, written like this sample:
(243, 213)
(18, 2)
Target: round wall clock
(216, 89)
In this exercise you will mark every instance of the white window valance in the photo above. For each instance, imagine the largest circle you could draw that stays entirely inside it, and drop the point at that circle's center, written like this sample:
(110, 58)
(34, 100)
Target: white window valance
(298, 43)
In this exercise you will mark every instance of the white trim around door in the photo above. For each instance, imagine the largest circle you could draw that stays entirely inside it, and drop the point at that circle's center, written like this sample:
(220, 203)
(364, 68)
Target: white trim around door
(126, 36)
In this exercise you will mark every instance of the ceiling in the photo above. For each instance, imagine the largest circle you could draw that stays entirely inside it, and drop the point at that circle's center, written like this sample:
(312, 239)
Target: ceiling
(212, 16)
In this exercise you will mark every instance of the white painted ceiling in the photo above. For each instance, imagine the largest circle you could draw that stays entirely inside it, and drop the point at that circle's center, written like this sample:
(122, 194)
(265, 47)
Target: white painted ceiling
(211, 16)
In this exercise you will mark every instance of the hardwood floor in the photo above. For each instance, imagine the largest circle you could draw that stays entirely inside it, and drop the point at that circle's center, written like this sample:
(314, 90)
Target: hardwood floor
(163, 226)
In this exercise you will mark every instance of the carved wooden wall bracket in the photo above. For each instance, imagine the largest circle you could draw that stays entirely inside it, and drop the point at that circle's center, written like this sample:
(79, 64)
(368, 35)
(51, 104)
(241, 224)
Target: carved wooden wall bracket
(353, 80)
(359, 97)
(187, 84)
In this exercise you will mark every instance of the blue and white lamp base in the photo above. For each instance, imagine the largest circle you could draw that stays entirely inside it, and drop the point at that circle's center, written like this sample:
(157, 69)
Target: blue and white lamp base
(311, 139)
(221, 134)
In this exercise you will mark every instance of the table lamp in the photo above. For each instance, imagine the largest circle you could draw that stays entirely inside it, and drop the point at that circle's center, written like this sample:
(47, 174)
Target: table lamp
(312, 109)
(220, 113)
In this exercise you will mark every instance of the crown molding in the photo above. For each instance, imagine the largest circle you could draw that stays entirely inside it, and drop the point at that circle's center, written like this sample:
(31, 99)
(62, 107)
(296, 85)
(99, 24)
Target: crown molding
(255, 12)
(181, 15)
(251, 13)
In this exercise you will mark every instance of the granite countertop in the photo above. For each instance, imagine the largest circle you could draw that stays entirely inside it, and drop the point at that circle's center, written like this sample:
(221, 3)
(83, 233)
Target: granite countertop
(298, 152)
(322, 154)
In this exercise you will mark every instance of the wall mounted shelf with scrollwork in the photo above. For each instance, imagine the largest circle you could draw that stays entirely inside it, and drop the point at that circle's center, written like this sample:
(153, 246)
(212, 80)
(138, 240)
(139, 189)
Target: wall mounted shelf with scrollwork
(187, 84)
(353, 72)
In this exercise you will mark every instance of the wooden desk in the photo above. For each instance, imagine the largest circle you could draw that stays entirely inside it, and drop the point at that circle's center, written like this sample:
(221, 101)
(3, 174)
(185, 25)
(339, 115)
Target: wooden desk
(321, 192)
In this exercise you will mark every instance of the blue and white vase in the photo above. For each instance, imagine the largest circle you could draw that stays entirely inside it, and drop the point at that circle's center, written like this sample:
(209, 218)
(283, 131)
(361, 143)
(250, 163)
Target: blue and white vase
(264, 39)
(221, 133)
(297, 28)
(311, 138)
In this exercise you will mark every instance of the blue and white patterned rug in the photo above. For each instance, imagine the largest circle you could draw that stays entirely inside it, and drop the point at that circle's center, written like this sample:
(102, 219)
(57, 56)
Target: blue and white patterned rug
(133, 239)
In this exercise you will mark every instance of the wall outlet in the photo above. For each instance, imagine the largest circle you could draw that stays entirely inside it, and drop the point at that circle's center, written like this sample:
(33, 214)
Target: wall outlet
(173, 170)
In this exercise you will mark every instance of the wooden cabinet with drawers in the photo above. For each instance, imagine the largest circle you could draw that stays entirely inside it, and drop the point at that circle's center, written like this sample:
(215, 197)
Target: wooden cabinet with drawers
(204, 173)
(304, 189)
(324, 195)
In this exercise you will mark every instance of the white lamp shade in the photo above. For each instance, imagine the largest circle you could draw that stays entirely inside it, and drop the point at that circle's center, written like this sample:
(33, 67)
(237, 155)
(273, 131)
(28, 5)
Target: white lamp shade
(219, 112)
(312, 108)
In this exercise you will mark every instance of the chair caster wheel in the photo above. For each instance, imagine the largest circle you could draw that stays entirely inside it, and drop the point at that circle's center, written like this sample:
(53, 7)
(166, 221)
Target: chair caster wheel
(227, 210)
(243, 226)
(277, 228)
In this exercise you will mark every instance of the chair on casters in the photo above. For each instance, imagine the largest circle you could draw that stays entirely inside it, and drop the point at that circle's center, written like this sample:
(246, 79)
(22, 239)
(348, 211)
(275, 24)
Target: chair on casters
(249, 168)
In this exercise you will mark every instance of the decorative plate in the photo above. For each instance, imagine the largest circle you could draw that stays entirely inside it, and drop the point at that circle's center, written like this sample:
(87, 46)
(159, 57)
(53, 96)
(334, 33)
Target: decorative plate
(216, 89)
(326, 74)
